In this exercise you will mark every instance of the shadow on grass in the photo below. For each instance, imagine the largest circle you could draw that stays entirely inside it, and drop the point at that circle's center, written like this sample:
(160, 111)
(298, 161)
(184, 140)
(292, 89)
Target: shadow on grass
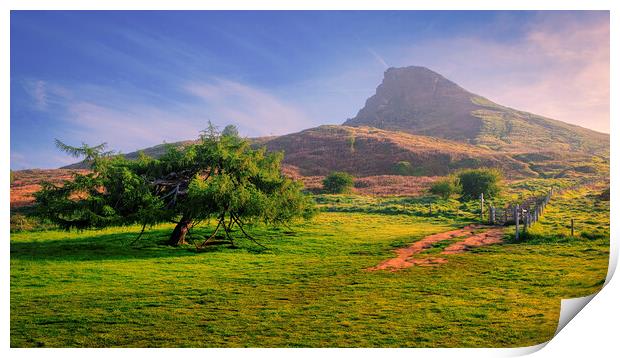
(118, 246)
(100, 247)
(557, 238)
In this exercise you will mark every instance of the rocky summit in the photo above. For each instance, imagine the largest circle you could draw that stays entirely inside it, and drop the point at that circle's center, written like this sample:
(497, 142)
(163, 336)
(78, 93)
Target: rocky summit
(419, 101)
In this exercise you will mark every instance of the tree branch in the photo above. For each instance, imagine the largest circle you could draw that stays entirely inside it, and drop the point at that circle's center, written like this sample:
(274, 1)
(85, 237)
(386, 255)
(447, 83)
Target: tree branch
(217, 228)
(238, 221)
(139, 235)
(227, 230)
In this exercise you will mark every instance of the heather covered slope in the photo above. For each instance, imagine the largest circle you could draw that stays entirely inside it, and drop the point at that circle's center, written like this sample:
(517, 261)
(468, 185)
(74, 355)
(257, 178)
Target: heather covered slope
(367, 151)
(419, 101)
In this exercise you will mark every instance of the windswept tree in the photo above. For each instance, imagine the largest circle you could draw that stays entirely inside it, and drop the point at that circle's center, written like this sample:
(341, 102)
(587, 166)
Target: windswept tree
(221, 178)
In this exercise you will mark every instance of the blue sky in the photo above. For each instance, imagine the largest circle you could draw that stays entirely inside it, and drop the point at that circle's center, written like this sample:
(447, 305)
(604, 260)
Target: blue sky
(136, 79)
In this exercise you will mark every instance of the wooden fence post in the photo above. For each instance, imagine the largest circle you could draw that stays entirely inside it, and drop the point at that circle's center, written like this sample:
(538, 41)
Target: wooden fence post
(516, 214)
(481, 207)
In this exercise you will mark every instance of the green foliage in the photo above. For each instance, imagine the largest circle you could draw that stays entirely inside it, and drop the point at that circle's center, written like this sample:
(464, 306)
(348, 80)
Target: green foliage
(338, 183)
(351, 142)
(85, 151)
(403, 168)
(445, 188)
(476, 181)
(221, 178)
(231, 131)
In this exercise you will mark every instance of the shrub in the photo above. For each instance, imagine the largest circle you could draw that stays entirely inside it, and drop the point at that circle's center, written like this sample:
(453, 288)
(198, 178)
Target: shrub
(20, 222)
(477, 181)
(338, 183)
(445, 188)
(351, 141)
(403, 168)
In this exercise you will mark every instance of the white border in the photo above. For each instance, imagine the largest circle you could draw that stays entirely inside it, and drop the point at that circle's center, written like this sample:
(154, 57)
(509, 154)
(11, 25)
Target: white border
(593, 331)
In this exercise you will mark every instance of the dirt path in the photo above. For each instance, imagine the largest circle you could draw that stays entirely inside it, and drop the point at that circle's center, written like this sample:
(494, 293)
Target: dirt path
(405, 257)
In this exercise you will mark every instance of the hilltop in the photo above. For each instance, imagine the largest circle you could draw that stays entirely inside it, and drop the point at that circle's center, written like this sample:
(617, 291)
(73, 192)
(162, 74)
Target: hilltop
(419, 101)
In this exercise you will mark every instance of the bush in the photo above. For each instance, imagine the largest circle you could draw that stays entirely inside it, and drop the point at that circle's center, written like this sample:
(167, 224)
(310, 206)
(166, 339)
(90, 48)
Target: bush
(445, 188)
(403, 168)
(21, 222)
(338, 183)
(477, 181)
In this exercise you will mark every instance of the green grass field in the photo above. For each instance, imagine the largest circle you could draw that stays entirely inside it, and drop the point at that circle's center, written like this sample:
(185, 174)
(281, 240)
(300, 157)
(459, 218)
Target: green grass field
(309, 289)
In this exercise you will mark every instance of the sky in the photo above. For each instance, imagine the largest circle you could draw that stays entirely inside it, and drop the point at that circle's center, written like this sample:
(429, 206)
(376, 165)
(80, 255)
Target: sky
(134, 79)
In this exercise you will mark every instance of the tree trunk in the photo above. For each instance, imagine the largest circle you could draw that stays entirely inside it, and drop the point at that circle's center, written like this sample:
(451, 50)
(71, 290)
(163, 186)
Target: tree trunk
(178, 234)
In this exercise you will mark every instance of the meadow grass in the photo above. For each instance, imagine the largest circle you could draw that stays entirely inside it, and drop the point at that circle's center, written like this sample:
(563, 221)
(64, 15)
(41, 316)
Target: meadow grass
(308, 289)
(584, 206)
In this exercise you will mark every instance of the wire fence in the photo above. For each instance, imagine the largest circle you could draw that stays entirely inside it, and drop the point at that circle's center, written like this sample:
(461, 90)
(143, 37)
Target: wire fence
(526, 213)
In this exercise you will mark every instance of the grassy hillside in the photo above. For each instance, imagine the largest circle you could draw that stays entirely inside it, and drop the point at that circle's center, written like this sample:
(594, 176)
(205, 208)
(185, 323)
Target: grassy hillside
(309, 289)
(507, 129)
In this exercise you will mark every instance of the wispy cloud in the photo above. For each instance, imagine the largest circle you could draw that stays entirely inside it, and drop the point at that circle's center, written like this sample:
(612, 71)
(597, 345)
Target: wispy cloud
(43, 94)
(132, 120)
(559, 69)
(38, 93)
(131, 127)
(254, 110)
